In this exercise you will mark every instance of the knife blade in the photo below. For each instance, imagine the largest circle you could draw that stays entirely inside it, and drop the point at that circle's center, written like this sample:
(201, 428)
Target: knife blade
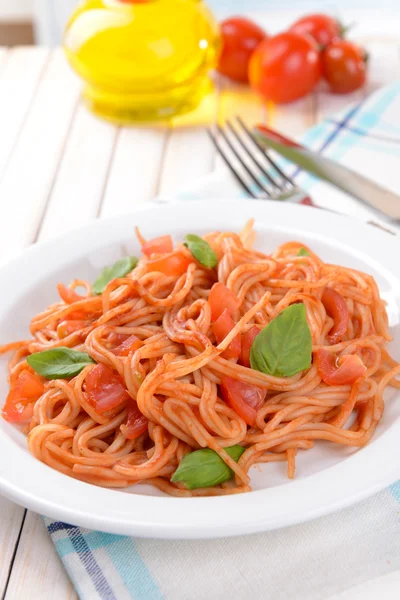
(332, 172)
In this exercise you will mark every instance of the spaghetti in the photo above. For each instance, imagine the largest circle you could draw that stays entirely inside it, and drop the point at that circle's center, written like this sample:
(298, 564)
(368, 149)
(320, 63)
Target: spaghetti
(169, 368)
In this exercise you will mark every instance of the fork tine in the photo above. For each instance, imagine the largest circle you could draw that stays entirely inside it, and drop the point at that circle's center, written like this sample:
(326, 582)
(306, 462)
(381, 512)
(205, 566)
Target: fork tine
(267, 156)
(238, 177)
(250, 173)
(239, 139)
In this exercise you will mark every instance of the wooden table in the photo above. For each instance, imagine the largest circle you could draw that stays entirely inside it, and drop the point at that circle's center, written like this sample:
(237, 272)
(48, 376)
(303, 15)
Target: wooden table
(61, 167)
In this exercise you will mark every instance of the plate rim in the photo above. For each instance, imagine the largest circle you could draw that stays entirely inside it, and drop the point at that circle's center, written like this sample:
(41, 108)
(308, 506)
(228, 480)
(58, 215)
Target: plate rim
(222, 522)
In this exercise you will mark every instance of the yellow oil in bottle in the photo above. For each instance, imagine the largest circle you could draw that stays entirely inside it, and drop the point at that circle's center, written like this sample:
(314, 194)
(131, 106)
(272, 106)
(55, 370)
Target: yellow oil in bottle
(142, 60)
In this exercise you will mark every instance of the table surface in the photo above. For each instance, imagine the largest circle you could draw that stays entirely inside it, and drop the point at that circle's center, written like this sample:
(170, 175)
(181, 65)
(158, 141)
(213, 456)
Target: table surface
(57, 161)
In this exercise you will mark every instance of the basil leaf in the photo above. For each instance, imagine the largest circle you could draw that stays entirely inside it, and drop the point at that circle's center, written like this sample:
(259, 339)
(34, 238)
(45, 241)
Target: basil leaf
(201, 250)
(122, 267)
(59, 363)
(303, 252)
(283, 348)
(205, 468)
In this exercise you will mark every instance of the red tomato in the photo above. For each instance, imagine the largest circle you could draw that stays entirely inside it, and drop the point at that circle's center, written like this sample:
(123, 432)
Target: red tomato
(240, 37)
(115, 339)
(23, 394)
(349, 368)
(247, 342)
(126, 346)
(222, 298)
(69, 296)
(160, 245)
(244, 398)
(105, 389)
(173, 265)
(285, 67)
(65, 328)
(136, 423)
(322, 28)
(336, 307)
(344, 66)
(222, 326)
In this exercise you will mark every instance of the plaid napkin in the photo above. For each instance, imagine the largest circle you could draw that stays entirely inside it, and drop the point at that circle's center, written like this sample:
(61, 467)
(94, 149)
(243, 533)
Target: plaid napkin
(310, 561)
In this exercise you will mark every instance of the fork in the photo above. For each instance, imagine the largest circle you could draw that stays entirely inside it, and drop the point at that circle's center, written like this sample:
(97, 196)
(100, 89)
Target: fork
(253, 168)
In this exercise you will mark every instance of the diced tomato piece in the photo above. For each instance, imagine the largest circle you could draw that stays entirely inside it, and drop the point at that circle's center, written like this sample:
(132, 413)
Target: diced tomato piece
(65, 328)
(348, 369)
(173, 265)
(115, 339)
(222, 326)
(69, 296)
(130, 344)
(222, 298)
(105, 389)
(121, 343)
(26, 390)
(247, 342)
(136, 423)
(244, 398)
(336, 307)
(160, 245)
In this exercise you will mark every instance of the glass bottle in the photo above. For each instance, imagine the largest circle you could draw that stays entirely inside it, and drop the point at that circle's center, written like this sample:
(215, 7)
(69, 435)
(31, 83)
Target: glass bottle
(142, 59)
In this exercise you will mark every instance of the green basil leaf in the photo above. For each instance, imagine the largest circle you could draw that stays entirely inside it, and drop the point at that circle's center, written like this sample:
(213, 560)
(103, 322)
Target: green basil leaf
(59, 363)
(201, 250)
(204, 468)
(283, 348)
(303, 252)
(122, 267)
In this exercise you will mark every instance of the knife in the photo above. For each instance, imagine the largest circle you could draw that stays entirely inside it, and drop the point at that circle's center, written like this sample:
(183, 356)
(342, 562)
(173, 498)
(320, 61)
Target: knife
(330, 171)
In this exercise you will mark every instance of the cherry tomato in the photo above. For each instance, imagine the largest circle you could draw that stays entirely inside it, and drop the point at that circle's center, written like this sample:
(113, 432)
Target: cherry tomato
(65, 328)
(247, 342)
(136, 423)
(240, 37)
(222, 326)
(285, 67)
(25, 391)
(160, 245)
(349, 368)
(323, 28)
(69, 296)
(336, 307)
(244, 398)
(173, 265)
(344, 66)
(222, 298)
(105, 389)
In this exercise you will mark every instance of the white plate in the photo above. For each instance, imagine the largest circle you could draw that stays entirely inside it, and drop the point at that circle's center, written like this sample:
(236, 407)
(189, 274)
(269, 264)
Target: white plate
(329, 477)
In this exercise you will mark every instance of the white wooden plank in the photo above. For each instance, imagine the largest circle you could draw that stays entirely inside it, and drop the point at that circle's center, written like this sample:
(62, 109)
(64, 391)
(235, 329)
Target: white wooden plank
(135, 169)
(188, 156)
(293, 119)
(383, 62)
(82, 175)
(30, 171)
(37, 572)
(3, 55)
(10, 524)
(238, 100)
(188, 152)
(20, 71)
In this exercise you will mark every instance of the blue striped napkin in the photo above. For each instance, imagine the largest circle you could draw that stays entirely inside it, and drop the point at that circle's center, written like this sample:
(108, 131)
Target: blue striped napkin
(309, 561)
